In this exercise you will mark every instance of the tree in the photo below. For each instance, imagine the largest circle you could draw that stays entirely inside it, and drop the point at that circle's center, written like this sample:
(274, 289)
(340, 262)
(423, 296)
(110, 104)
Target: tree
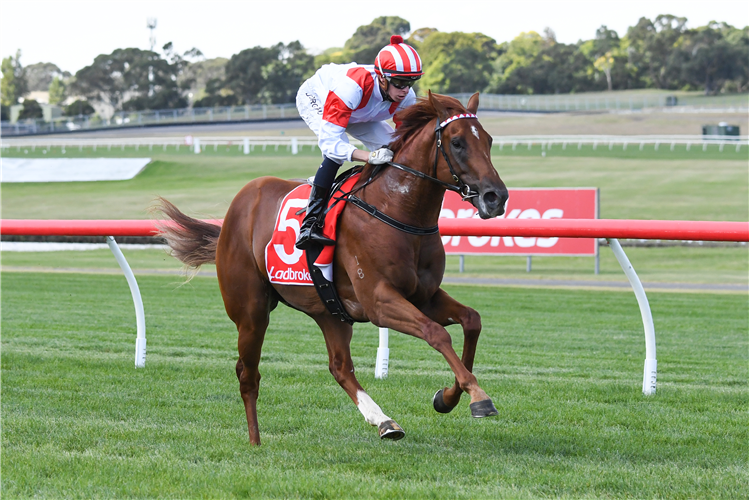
(244, 73)
(419, 35)
(56, 91)
(133, 79)
(605, 64)
(650, 47)
(195, 77)
(457, 62)
(285, 74)
(365, 43)
(557, 68)
(606, 40)
(336, 55)
(40, 75)
(739, 40)
(215, 94)
(31, 110)
(79, 107)
(367, 40)
(710, 59)
(13, 85)
(268, 75)
(516, 54)
(607, 58)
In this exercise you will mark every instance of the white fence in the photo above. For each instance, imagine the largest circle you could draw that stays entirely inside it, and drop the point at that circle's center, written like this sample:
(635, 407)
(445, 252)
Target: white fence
(299, 143)
(613, 101)
(548, 142)
(183, 116)
(245, 144)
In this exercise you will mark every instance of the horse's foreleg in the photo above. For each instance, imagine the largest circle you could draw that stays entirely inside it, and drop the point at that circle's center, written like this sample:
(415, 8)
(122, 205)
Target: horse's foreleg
(445, 310)
(392, 310)
(338, 341)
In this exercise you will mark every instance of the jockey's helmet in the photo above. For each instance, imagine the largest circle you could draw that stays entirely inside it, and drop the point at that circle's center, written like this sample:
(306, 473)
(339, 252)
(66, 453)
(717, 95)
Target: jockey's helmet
(398, 60)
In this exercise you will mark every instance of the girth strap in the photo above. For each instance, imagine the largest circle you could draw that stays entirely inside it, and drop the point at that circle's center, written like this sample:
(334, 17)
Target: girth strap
(371, 210)
(325, 289)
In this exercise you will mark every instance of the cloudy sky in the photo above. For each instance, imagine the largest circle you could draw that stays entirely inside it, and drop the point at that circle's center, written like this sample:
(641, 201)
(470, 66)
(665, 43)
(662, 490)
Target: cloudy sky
(70, 33)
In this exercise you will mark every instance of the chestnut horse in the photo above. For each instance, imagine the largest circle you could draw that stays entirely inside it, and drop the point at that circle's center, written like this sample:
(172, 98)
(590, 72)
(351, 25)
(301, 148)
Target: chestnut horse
(383, 274)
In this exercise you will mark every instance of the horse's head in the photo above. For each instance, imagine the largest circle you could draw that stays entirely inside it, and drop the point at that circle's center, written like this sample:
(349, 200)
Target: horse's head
(466, 154)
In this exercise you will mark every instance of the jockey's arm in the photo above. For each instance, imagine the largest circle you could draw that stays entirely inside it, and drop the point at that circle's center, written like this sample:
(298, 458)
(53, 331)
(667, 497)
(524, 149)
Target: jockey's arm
(360, 155)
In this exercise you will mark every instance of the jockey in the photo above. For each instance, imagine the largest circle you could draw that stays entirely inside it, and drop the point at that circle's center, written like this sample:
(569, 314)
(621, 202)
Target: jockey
(357, 99)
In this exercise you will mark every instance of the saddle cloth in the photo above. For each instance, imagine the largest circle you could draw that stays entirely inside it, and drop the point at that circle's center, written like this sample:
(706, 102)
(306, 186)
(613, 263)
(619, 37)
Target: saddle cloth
(284, 262)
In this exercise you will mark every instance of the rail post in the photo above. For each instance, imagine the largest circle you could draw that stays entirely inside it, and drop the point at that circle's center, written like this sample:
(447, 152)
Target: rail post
(383, 355)
(140, 317)
(651, 365)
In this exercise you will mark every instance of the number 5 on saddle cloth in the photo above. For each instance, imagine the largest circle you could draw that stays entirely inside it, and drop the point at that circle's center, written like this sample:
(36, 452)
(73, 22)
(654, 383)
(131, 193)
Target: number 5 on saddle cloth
(298, 267)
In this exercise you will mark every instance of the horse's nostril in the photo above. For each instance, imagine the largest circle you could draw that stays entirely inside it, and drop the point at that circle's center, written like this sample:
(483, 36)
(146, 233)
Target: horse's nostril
(491, 198)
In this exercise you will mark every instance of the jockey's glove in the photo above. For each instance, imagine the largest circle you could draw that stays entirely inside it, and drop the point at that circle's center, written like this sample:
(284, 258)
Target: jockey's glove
(380, 156)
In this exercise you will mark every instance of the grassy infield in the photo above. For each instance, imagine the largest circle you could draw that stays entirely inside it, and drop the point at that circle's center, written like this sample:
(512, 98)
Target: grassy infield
(563, 366)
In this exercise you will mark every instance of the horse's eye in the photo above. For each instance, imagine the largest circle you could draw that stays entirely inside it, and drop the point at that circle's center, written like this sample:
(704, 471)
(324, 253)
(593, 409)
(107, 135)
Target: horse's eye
(456, 144)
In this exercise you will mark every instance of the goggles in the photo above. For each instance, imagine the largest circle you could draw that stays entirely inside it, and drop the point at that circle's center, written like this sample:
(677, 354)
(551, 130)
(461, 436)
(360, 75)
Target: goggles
(400, 83)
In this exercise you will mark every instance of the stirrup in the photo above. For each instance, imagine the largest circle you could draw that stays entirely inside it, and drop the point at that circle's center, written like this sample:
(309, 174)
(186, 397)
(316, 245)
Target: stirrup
(312, 235)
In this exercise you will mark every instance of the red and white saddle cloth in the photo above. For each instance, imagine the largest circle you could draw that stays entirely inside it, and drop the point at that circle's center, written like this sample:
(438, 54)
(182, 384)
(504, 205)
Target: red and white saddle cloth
(285, 263)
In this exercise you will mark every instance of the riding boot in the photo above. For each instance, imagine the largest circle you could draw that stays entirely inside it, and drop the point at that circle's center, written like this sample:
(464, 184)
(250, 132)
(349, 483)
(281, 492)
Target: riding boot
(311, 230)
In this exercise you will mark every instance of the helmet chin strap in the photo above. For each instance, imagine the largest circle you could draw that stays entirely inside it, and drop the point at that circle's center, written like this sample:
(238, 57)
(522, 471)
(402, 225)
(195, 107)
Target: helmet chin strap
(384, 92)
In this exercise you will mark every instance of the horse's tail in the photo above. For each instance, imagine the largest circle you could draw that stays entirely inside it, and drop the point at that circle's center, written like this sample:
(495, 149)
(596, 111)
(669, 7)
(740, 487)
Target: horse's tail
(192, 241)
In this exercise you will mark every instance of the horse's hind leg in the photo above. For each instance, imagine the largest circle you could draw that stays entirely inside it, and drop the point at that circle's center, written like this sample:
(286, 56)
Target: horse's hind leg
(249, 301)
(250, 343)
(338, 340)
(445, 310)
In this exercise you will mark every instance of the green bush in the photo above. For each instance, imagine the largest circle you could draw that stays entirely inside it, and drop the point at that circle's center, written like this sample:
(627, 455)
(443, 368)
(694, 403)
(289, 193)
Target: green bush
(31, 110)
(79, 107)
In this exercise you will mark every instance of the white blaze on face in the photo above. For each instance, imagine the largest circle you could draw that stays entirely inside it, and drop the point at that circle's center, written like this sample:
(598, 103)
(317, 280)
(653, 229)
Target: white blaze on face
(475, 132)
(372, 413)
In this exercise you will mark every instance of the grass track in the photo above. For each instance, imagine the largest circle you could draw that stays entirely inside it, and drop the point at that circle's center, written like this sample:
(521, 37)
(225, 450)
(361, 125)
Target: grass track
(725, 265)
(563, 367)
(696, 189)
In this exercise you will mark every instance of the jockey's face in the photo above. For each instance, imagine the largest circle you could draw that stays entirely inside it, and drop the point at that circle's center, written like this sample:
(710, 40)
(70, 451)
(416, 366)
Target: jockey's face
(395, 93)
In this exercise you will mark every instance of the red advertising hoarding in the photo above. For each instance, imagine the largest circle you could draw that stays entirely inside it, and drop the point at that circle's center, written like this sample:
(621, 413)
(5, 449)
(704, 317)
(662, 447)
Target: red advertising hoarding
(526, 203)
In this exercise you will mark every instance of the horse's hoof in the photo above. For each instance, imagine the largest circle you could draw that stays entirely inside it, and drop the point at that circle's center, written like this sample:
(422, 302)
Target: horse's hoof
(391, 430)
(483, 408)
(439, 403)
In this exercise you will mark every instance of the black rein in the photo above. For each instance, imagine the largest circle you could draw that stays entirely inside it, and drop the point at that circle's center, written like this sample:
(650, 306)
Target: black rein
(463, 189)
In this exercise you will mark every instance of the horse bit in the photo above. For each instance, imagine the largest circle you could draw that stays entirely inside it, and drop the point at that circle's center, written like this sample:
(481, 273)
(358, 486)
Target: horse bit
(463, 189)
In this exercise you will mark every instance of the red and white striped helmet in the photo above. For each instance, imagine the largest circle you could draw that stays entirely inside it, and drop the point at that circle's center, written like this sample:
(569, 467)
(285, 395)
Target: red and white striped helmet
(398, 60)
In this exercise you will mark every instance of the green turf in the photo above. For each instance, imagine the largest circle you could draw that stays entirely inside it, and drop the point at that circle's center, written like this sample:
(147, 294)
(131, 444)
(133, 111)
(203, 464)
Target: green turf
(705, 151)
(563, 367)
(202, 185)
(723, 265)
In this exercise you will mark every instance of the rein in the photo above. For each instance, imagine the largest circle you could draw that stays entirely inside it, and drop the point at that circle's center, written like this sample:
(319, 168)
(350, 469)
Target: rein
(463, 189)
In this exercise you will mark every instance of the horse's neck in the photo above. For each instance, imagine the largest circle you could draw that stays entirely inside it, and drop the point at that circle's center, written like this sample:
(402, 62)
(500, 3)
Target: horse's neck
(407, 197)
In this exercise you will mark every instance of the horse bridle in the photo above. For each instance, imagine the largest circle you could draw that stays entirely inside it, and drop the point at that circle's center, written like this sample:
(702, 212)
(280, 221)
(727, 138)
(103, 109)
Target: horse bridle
(463, 189)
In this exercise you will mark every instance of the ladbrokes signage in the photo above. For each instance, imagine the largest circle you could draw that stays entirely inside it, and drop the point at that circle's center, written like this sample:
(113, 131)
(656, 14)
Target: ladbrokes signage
(531, 203)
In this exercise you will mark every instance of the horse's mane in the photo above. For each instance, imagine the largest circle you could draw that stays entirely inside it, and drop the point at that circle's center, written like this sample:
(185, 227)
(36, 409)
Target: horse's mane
(415, 117)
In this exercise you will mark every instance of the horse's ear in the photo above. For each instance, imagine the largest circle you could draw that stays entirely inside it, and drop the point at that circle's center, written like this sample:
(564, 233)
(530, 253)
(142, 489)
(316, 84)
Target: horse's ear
(438, 106)
(473, 103)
